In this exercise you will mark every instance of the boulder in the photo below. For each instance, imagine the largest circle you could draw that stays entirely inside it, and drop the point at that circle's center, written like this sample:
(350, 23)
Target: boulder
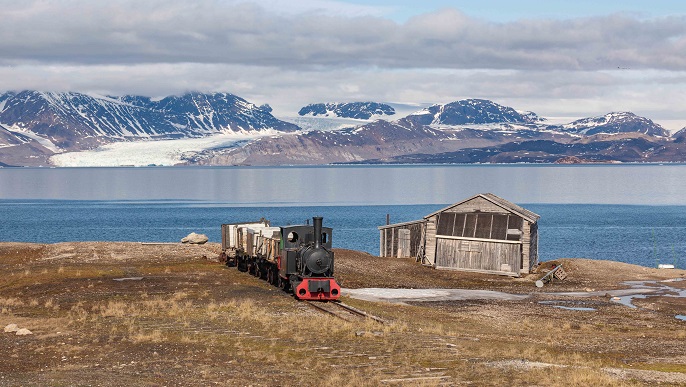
(11, 328)
(24, 332)
(195, 239)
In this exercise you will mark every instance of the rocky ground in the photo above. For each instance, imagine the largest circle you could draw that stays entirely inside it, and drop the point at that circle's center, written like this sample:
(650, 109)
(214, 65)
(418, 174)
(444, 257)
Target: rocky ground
(167, 314)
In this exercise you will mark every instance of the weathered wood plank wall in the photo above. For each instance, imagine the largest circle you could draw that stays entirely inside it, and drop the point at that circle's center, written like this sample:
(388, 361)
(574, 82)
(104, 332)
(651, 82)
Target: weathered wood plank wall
(526, 246)
(487, 256)
(477, 204)
(431, 240)
(533, 249)
(391, 240)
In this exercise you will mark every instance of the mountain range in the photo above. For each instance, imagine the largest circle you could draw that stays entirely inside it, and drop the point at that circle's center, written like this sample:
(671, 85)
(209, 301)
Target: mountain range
(36, 125)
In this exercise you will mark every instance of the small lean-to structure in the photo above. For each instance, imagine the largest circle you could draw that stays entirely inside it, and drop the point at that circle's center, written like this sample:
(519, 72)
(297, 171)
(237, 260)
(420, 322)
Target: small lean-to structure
(484, 233)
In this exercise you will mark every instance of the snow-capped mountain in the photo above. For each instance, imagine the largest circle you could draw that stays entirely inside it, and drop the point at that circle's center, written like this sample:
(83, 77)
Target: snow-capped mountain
(379, 140)
(357, 110)
(470, 112)
(74, 121)
(613, 123)
(39, 128)
(467, 131)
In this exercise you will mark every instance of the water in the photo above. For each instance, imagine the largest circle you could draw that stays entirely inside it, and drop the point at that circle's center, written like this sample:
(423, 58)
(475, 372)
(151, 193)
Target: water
(628, 213)
(619, 233)
(355, 185)
(652, 288)
(576, 308)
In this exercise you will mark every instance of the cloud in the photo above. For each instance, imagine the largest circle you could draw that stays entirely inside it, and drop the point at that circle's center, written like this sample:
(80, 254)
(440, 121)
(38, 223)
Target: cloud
(292, 52)
(241, 33)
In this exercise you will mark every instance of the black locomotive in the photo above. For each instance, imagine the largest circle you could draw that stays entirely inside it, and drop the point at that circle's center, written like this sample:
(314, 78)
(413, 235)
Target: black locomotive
(296, 258)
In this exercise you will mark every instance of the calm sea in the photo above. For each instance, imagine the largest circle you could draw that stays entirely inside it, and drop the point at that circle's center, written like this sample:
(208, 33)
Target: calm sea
(628, 213)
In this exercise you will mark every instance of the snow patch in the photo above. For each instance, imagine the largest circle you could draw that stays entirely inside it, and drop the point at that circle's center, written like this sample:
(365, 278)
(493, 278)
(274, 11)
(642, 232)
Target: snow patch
(41, 140)
(324, 124)
(418, 295)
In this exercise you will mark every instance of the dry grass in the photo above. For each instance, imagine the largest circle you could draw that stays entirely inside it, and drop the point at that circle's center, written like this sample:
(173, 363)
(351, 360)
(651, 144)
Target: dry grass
(154, 336)
(192, 323)
(12, 301)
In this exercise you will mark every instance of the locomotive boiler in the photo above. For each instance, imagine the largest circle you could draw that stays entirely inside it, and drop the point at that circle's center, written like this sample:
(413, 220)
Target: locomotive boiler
(298, 259)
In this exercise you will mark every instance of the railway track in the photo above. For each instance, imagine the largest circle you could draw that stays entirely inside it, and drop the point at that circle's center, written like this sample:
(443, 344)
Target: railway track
(343, 311)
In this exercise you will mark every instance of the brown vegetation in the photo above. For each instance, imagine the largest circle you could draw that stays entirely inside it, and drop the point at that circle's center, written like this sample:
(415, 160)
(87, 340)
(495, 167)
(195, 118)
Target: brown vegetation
(191, 321)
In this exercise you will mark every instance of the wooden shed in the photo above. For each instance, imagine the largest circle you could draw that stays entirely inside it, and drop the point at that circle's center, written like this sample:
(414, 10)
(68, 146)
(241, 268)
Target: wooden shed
(484, 233)
(402, 240)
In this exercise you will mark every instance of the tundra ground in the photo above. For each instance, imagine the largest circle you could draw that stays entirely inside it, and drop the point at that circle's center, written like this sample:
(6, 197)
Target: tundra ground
(161, 315)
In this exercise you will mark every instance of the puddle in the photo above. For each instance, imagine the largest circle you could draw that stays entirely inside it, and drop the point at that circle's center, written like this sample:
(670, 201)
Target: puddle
(628, 300)
(680, 317)
(637, 290)
(578, 308)
(651, 288)
(574, 308)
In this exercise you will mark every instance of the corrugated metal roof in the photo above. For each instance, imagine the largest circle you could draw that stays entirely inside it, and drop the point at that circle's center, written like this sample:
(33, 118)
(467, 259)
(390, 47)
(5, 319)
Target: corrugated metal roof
(500, 202)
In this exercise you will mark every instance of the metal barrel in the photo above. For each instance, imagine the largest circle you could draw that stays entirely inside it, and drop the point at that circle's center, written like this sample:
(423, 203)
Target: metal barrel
(317, 222)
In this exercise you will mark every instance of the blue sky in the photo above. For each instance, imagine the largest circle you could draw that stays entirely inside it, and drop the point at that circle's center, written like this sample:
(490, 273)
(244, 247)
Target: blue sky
(557, 58)
(504, 10)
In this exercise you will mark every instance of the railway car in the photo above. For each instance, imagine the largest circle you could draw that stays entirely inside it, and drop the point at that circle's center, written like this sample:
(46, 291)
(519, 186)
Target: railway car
(297, 259)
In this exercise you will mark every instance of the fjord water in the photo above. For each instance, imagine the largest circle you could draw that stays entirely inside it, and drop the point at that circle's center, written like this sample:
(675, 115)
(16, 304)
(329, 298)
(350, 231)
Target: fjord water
(628, 213)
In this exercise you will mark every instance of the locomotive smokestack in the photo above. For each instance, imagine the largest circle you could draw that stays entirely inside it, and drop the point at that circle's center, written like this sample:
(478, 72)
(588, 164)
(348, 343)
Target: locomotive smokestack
(317, 222)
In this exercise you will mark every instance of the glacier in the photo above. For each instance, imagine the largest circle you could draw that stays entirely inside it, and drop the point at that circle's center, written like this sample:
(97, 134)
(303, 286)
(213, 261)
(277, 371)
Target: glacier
(153, 152)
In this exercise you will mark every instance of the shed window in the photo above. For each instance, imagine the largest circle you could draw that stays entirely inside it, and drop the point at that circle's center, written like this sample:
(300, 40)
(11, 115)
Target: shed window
(459, 225)
(480, 225)
(446, 222)
(514, 228)
(483, 226)
(499, 227)
(470, 226)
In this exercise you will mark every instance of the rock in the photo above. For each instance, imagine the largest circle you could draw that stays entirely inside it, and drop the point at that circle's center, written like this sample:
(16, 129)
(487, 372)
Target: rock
(195, 239)
(11, 328)
(24, 332)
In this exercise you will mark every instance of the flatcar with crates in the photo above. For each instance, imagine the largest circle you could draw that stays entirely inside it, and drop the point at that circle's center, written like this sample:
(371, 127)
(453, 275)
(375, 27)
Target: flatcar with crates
(297, 259)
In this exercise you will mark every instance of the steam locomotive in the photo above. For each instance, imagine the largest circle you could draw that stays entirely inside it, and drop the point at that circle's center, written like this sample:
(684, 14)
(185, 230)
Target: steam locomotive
(297, 259)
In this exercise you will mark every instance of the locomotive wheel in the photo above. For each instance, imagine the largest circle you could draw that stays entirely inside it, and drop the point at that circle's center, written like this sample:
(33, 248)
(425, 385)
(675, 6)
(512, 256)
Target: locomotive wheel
(242, 265)
(284, 284)
(270, 276)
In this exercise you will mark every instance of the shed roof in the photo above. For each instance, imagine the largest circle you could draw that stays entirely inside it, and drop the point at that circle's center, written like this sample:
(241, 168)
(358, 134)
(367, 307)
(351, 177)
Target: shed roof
(498, 201)
(402, 224)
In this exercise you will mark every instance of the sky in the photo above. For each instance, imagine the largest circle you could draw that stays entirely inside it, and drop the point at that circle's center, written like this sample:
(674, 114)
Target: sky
(560, 59)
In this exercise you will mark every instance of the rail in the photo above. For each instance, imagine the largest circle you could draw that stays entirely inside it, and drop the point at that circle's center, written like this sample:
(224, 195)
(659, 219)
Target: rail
(343, 311)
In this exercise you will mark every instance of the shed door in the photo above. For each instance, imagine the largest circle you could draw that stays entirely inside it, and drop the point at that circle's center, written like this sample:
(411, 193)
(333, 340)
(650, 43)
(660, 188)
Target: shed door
(478, 255)
(403, 243)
